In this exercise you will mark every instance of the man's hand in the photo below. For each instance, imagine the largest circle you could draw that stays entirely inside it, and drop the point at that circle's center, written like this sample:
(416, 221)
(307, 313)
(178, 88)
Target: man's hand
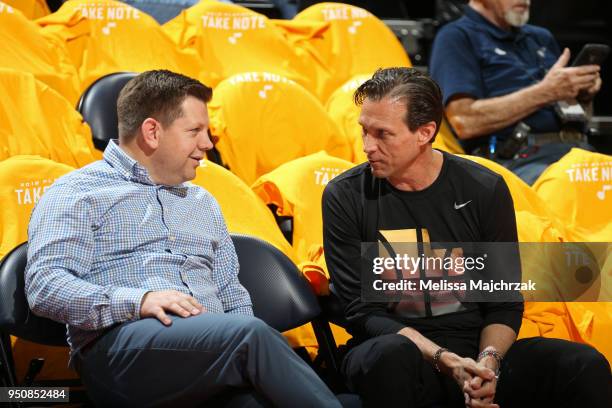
(480, 393)
(156, 304)
(563, 83)
(464, 371)
(587, 95)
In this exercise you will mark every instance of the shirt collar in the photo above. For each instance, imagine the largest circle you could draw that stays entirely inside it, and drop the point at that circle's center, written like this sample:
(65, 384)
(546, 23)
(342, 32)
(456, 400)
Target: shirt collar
(515, 33)
(131, 170)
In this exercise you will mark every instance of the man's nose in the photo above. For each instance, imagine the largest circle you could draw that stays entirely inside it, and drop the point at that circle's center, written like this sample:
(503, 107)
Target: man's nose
(369, 144)
(205, 141)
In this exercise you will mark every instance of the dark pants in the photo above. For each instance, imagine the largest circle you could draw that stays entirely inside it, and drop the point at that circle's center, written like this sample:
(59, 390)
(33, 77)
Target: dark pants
(203, 357)
(390, 371)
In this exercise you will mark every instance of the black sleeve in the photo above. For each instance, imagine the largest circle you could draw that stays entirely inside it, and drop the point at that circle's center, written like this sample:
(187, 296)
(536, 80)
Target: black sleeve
(342, 244)
(499, 225)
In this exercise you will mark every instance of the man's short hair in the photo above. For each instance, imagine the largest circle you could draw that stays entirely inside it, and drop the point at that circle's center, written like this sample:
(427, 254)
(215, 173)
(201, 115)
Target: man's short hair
(420, 93)
(155, 94)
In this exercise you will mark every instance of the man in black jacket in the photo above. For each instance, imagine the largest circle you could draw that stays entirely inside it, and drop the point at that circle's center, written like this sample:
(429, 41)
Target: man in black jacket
(449, 353)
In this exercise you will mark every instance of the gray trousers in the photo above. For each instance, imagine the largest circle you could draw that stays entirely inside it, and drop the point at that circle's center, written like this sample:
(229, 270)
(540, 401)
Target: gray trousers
(196, 359)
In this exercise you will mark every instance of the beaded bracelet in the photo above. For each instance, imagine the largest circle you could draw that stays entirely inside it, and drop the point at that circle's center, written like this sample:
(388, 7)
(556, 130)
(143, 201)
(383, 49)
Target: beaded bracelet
(436, 357)
(493, 353)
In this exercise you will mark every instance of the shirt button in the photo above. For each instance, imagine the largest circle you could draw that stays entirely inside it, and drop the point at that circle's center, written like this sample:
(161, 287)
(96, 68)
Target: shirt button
(129, 316)
(172, 238)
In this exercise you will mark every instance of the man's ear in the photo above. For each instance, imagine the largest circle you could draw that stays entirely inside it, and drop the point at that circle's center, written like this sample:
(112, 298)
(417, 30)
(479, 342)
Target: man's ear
(150, 129)
(426, 132)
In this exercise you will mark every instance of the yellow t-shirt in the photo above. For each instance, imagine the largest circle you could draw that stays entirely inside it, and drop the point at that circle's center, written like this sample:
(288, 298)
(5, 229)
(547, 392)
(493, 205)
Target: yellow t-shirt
(23, 180)
(535, 222)
(356, 42)
(296, 189)
(231, 39)
(30, 8)
(342, 109)
(578, 190)
(105, 36)
(36, 120)
(264, 120)
(24, 48)
(244, 212)
(590, 322)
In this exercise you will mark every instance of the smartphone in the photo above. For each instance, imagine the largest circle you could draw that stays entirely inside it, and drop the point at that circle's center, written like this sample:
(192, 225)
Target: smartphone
(592, 54)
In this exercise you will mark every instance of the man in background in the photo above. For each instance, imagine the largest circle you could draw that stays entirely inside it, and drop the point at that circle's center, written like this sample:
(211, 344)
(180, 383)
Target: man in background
(498, 74)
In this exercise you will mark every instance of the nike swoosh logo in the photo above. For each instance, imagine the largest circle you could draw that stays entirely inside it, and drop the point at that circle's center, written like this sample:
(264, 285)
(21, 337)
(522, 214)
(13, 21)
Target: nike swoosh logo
(458, 206)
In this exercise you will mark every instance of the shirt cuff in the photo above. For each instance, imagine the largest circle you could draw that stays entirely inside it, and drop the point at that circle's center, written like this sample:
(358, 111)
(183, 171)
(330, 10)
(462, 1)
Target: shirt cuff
(125, 304)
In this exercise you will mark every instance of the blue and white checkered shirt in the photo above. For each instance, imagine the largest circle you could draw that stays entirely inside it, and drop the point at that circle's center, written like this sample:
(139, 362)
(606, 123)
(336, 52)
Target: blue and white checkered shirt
(104, 235)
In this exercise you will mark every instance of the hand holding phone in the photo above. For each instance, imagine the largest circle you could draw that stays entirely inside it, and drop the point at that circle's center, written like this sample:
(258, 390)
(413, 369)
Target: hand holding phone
(592, 54)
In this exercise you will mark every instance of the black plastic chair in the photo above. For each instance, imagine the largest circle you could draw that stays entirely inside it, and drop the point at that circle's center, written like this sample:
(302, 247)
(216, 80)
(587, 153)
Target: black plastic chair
(16, 319)
(283, 299)
(98, 105)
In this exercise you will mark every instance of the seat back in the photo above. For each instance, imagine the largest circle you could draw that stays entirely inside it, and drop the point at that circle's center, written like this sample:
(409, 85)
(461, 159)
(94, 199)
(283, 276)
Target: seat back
(283, 122)
(578, 190)
(243, 211)
(36, 120)
(26, 49)
(281, 297)
(106, 36)
(295, 189)
(356, 42)
(15, 316)
(342, 109)
(98, 105)
(233, 39)
(534, 220)
(31, 9)
(23, 181)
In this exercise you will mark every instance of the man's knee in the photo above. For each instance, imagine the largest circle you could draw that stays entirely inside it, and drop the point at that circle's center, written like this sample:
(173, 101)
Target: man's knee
(586, 359)
(383, 370)
(392, 352)
(395, 347)
(250, 326)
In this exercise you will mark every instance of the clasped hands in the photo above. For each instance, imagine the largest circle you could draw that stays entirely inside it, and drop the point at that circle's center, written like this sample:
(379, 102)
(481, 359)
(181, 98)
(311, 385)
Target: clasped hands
(477, 380)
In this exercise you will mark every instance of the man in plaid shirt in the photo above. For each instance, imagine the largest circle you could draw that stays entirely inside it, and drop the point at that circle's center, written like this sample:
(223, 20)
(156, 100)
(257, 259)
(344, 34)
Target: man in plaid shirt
(140, 266)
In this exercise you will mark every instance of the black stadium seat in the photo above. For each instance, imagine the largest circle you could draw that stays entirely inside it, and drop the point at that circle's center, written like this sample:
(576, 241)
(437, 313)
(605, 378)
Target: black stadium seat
(98, 105)
(16, 319)
(281, 297)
